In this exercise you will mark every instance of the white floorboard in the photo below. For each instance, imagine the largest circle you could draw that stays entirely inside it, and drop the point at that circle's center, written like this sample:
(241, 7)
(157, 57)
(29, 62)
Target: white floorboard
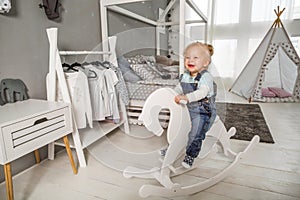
(271, 172)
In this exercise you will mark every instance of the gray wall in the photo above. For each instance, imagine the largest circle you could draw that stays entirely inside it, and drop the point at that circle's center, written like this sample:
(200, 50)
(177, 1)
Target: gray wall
(24, 46)
(24, 43)
(136, 36)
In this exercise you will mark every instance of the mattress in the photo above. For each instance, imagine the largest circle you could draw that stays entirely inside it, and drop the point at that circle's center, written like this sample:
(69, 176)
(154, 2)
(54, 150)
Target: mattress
(142, 89)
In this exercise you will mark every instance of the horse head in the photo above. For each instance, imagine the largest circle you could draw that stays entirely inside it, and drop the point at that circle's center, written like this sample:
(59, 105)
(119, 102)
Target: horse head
(179, 122)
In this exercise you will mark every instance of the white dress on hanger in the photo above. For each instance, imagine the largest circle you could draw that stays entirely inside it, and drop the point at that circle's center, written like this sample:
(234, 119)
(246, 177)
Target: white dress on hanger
(77, 83)
(98, 94)
(111, 81)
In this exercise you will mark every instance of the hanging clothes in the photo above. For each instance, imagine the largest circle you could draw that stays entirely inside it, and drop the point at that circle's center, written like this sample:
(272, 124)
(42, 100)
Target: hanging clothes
(103, 94)
(98, 94)
(121, 85)
(78, 87)
(111, 81)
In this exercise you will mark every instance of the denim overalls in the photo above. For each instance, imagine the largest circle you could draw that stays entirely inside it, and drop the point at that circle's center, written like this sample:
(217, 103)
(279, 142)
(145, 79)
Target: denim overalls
(202, 114)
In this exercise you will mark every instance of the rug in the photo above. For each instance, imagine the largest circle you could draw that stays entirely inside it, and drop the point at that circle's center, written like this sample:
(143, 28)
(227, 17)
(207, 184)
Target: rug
(248, 120)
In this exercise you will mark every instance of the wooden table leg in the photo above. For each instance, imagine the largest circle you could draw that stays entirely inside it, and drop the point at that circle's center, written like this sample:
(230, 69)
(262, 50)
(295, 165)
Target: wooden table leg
(37, 156)
(66, 141)
(9, 183)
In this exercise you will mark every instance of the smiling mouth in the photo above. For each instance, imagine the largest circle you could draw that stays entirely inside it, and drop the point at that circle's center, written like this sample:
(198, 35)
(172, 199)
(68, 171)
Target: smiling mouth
(191, 66)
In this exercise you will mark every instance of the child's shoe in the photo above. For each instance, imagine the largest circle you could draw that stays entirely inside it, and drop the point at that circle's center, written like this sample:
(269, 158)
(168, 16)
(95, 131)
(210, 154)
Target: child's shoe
(187, 162)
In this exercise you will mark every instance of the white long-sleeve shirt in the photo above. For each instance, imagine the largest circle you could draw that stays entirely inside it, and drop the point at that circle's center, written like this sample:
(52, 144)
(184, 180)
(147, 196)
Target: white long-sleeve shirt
(111, 80)
(80, 97)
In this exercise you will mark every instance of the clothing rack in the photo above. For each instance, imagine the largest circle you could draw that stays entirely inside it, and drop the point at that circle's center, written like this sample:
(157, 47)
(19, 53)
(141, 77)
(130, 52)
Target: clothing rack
(87, 136)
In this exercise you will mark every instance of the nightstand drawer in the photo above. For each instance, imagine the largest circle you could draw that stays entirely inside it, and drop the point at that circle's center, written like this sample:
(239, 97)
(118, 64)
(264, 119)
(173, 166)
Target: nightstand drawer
(33, 133)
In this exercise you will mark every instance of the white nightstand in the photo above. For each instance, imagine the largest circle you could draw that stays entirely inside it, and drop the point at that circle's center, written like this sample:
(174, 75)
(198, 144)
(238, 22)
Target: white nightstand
(28, 125)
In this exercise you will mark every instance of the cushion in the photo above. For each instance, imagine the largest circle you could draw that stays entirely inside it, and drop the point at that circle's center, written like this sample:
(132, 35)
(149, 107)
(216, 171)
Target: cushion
(145, 68)
(138, 59)
(265, 92)
(165, 60)
(280, 92)
(128, 74)
(173, 71)
(143, 71)
(148, 59)
(160, 74)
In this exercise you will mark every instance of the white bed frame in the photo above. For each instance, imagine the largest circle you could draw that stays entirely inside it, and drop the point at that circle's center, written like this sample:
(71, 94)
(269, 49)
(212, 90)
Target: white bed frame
(135, 106)
(159, 24)
(87, 136)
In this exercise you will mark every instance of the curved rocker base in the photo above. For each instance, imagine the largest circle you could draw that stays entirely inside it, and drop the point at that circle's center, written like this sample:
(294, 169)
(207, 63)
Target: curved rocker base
(177, 190)
(178, 125)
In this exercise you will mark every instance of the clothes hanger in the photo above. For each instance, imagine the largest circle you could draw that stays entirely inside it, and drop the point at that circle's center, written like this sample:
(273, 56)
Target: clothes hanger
(65, 65)
(76, 64)
(85, 63)
(106, 64)
(97, 63)
(94, 74)
(68, 67)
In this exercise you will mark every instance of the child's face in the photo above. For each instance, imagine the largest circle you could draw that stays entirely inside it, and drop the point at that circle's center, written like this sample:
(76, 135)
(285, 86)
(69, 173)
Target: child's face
(194, 60)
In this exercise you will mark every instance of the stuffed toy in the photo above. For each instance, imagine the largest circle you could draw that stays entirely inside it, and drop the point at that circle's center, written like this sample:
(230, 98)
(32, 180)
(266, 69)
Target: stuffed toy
(12, 90)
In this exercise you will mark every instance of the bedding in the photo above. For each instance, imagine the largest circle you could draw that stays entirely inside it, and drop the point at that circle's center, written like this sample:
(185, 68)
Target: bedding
(147, 68)
(142, 89)
(128, 74)
(146, 75)
(144, 71)
(143, 75)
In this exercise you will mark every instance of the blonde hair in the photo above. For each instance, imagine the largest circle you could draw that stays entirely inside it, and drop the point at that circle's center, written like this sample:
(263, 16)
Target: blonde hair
(205, 49)
(211, 49)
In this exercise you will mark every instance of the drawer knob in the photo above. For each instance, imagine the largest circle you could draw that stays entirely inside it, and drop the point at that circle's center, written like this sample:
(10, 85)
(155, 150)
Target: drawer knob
(44, 119)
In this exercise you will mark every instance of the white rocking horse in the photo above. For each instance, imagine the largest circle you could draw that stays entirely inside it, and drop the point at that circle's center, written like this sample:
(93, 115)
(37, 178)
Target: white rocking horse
(179, 126)
(5, 6)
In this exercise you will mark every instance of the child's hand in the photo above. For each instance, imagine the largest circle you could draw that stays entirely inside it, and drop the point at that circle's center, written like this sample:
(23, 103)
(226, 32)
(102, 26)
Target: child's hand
(180, 97)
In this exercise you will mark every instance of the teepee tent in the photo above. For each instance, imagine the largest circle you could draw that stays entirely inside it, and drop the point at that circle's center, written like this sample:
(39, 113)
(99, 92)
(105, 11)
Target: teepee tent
(272, 73)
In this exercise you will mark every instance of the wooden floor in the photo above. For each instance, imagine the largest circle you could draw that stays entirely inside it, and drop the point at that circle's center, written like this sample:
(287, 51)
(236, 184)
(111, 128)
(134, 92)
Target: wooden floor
(271, 172)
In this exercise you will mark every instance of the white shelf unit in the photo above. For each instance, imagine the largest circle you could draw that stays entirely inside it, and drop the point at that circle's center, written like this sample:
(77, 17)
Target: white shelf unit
(82, 138)
(89, 135)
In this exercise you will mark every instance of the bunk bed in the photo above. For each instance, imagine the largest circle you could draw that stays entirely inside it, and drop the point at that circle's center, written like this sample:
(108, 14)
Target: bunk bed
(143, 66)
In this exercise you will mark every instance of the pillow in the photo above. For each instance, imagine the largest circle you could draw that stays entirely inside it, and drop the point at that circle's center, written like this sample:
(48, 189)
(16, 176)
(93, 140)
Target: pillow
(151, 66)
(280, 92)
(165, 60)
(138, 59)
(143, 71)
(172, 71)
(128, 74)
(265, 92)
(149, 59)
